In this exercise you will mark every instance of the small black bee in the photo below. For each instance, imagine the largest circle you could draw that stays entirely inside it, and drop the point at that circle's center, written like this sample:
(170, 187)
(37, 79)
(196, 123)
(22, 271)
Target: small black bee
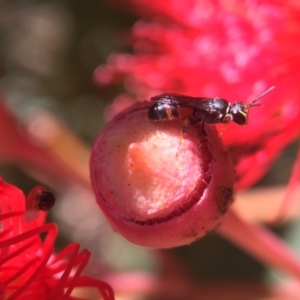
(40, 199)
(200, 109)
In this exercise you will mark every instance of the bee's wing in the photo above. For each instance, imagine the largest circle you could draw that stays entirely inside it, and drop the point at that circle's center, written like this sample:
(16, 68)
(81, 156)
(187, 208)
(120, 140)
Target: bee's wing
(198, 103)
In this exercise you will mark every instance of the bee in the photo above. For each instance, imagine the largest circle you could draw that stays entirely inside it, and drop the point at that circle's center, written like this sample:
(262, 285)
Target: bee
(200, 109)
(39, 199)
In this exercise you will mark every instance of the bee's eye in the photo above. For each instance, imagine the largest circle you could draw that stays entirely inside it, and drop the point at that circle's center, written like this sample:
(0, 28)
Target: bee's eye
(239, 113)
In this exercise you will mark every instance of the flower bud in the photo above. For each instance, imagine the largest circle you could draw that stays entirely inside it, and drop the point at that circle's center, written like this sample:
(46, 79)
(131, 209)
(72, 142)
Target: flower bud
(157, 186)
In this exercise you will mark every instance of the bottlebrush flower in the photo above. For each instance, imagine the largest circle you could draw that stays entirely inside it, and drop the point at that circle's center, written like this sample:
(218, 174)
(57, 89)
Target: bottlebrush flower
(232, 50)
(29, 268)
(160, 187)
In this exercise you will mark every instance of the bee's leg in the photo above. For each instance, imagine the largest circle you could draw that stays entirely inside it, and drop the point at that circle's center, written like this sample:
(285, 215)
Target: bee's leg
(195, 121)
(185, 124)
(202, 128)
(192, 121)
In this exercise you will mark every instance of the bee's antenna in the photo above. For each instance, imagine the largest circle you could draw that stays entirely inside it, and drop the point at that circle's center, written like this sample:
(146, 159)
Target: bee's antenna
(262, 95)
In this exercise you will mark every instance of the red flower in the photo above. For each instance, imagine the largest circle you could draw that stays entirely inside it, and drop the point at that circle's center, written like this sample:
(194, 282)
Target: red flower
(234, 50)
(29, 269)
(212, 48)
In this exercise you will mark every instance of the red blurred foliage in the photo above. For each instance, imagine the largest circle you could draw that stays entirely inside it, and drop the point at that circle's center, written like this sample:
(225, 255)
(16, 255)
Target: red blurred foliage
(235, 50)
(29, 269)
(40, 147)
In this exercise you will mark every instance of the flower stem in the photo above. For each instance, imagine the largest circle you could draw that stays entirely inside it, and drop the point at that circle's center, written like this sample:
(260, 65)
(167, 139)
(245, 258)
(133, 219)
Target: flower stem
(260, 243)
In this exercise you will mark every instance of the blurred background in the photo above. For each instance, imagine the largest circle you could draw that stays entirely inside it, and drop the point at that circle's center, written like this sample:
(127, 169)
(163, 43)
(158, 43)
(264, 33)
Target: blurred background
(48, 53)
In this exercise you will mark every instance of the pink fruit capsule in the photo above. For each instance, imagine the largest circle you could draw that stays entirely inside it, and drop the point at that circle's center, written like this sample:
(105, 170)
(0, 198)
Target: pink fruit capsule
(159, 187)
